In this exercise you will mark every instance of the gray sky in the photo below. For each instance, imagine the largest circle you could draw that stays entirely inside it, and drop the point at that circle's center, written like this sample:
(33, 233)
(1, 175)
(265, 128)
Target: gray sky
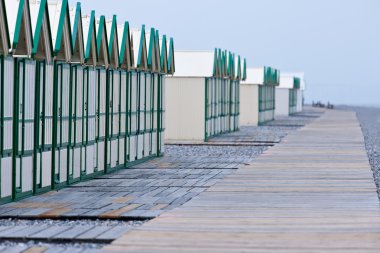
(335, 42)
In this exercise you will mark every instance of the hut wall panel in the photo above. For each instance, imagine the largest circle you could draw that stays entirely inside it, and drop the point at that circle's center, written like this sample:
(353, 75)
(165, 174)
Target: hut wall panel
(6, 175)
(8, 103)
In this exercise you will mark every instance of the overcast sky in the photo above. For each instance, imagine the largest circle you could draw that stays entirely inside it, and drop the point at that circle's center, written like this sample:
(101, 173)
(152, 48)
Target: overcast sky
(335, 42)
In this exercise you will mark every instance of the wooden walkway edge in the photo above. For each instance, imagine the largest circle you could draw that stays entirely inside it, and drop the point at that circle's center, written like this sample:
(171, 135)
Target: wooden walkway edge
(314, 192)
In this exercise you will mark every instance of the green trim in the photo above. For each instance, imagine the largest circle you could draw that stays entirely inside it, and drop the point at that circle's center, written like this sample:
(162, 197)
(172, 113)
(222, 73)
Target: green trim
(77, 22)
(142, 50)
(126, 40)
(102, 30)
(43, 12)
(90, 36)
(61, 25)
(164, 56)
(20, 13)
(171, 58)
(151, 49)
(114, 37)
(244, 77)
(157, 51)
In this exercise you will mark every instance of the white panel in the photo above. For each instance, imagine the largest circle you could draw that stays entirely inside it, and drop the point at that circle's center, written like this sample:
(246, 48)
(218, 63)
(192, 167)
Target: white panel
(114, 153)
(115, 103)
(154, 143)
(147, 144)
(185, 109)
(100, 155)
(142, 102)
(282, 102)
(38, 169)
(133, 96)
(121, 144)
(6, 177)
(27, 174)
(77, 162)
(123, 102)
(49, 84)
(46, 168)
(254, 76)
(30, 71)
(90, 154)
(8, 102)
(63, 156)
(140, 146)
(132, 148)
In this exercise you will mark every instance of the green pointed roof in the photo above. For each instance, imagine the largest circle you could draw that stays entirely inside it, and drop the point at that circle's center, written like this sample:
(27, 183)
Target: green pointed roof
(157, 51)
(61, 30)
(41, 49)
(20, 28)
(244, 77)
(142, 51)
(164, 55)
(113, 43)
(125, 44)
(151, 51)
(77, 38)
(90, 42)
(102, 43)
(171, 58)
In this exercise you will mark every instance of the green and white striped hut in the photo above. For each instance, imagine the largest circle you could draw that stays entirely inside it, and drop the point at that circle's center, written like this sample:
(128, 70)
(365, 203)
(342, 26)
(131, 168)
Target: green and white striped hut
(301, 90)
(137, 109)
(203, 95)
(258, 95)
(103, 95)
(286, 95)
(83, 76)
(117, 82)
(125, 64)
(22, 107)
(82, 127)
(43, 95)
(96, 111)
(63, 171)
(7, 44)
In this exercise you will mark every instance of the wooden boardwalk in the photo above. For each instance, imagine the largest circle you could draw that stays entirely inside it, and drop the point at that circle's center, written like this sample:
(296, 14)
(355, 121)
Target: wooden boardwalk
(314, 192)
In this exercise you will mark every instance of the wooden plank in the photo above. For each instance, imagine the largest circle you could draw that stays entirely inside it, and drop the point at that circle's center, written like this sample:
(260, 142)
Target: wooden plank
(314, 192)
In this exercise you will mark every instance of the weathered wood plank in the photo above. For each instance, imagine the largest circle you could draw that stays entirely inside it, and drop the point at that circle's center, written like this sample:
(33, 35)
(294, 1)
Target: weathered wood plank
(314, 192)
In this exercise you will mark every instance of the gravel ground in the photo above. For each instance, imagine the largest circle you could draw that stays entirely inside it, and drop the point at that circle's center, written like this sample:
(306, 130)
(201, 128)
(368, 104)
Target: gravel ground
(369, 118)
(81, 222)
(9, 246)
(214, 151)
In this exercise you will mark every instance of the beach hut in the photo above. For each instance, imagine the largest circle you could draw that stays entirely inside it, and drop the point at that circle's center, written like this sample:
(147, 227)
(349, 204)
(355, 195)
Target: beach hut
(167, 68)
(301, 90)
(249, 99)
(203, 95)
(6, 101)
(137, 95)
(24, 70)
(63, 172)
(116, 78)
(258, 95)
(96, 80)
(83, 78)
(125, 64)
(286, 95)
(42, 96)
(85, 55)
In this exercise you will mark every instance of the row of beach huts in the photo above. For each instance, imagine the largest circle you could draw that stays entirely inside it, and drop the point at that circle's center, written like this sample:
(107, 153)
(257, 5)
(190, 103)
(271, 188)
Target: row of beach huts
(82, 95)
